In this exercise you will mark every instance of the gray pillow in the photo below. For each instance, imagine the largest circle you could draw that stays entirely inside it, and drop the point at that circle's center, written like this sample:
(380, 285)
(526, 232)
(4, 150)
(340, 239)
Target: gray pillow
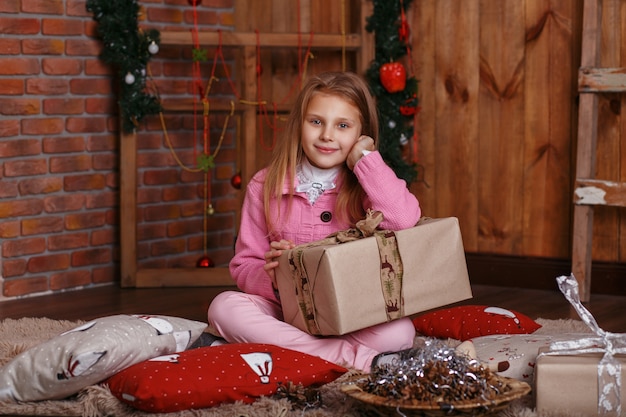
(514, 355)
(92, 352)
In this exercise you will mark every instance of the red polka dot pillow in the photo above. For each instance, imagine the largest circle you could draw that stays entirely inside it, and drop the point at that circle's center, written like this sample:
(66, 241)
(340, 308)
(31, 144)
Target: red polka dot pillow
(466, 322)
(209, 376)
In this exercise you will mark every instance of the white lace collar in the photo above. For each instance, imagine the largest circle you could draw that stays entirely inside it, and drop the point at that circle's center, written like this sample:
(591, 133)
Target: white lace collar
(314, 181)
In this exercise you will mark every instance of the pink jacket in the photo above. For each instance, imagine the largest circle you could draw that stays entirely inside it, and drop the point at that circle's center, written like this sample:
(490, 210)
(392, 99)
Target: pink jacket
(305, 223)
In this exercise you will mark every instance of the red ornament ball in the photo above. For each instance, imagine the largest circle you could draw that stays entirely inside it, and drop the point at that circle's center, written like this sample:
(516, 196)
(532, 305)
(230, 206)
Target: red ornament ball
(205, 262)
(235, 181)
(393, 76)
(194, 2)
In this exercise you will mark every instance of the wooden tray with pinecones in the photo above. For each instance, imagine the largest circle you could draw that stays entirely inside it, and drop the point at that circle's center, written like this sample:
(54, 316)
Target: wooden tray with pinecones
(376, 405)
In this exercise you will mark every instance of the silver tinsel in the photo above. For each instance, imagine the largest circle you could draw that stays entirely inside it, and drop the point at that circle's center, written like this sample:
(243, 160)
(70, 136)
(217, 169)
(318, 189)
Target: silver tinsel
(433, 372)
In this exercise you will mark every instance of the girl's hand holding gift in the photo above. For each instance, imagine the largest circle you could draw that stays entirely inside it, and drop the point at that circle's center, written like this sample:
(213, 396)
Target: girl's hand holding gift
(271, 257)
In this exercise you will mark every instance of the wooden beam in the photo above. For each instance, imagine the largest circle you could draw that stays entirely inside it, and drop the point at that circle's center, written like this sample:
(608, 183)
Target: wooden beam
(601, 80)
(183, 277)
(128, 208)
(586, 150)
(247, 162)
(186, 105)
(539, 273)
(267, 40)
(366, 54)
(600, 192)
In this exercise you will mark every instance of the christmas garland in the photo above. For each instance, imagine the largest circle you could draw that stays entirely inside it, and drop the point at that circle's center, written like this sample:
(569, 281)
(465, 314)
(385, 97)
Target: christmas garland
(394, 89)
(128, 49)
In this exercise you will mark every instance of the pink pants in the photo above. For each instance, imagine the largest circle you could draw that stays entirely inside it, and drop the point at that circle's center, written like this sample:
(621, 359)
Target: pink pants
(247, 318)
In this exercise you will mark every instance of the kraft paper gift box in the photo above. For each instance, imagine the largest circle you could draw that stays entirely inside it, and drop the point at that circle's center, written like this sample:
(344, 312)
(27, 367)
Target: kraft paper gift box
(583, 376)
(569, 383)
(340, 288)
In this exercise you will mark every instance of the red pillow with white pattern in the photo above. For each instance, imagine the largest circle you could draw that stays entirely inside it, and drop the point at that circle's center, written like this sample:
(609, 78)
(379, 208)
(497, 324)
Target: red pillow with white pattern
(209, 376)
(466, 322)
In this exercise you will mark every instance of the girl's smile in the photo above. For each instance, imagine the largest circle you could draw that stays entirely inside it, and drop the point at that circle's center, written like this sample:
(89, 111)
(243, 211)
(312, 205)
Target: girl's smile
(325, 150)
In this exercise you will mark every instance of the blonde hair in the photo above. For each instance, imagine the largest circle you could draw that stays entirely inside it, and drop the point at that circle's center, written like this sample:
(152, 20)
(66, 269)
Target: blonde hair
(288, 152)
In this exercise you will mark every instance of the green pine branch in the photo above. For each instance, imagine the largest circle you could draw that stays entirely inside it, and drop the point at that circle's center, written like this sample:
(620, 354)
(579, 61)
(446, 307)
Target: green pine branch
(125, 48)
(394, 126)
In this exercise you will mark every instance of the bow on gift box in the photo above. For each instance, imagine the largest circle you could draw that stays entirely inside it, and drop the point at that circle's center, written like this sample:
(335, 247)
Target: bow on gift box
(609, 368)
(391, 267)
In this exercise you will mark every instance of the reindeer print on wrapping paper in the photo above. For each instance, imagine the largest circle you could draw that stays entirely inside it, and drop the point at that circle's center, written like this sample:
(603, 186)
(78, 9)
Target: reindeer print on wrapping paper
(392, 306)
(391, 272)
(389, 267)
(389, 289)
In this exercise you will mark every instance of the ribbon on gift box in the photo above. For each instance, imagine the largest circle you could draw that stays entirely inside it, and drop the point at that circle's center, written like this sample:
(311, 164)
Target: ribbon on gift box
(609, 368)
(391, 269)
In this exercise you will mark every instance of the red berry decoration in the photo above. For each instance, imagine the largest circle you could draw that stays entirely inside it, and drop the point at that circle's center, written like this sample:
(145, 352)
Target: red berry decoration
(235, 181)
(404, 31)
(409, 108)
(200, 89)
(205, 262)
(393, 76)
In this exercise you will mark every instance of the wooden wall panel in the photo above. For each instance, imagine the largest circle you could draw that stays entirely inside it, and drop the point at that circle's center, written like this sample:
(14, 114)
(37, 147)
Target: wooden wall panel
(456, 95)
(326, 15)
(549, 133)
(497, 88)
(501, 130)
(281, 68)
(332, 16)
(423, 29)
(282, 64)
(497, 126)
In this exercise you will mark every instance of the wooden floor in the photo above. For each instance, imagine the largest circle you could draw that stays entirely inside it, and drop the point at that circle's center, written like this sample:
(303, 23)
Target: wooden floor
(609, 311)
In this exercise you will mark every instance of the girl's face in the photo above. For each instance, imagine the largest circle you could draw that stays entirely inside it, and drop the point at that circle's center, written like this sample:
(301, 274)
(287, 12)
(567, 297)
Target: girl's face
(332, 125)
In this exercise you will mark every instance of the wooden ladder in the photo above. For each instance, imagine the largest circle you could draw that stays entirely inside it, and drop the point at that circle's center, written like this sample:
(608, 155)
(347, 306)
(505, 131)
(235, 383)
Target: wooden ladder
(589, 191)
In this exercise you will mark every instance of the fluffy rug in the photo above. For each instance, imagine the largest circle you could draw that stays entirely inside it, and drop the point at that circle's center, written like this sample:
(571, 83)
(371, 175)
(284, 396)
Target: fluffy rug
(96, 401)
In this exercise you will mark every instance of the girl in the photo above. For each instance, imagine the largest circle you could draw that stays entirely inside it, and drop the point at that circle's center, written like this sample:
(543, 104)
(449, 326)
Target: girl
(324, 174)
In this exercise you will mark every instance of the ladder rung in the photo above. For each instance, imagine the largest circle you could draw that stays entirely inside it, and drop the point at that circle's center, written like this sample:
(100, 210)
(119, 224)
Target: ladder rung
(600, 192)
(601, 80)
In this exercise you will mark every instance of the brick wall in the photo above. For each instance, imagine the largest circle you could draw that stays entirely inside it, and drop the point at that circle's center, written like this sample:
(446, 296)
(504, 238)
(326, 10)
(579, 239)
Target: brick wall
(59, 152)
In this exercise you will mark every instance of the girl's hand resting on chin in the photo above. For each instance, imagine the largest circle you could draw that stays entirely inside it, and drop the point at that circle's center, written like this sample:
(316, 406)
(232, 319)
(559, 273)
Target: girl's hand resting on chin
(271, 257)
(365, 143)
